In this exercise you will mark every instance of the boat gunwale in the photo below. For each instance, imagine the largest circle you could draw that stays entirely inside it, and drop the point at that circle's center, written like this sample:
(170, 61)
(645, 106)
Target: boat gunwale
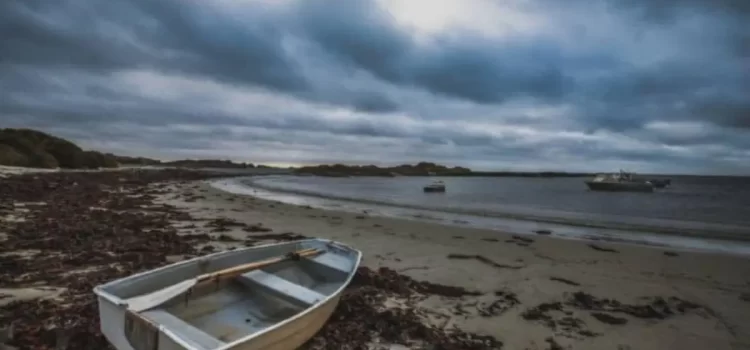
(100, 292)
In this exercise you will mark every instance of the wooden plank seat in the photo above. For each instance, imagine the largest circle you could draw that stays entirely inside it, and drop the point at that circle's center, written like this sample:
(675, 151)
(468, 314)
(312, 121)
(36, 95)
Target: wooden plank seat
(279, 286)
(196, 337)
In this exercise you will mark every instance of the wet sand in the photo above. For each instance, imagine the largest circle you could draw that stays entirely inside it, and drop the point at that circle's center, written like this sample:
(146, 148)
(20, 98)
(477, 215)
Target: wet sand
(528, 292)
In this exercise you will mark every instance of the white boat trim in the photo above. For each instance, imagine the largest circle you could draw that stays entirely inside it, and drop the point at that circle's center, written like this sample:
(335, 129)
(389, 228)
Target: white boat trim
(98, 290)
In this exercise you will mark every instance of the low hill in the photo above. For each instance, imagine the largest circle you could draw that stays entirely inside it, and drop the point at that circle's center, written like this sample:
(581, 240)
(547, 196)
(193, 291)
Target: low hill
(35, 149)
(208, 163)
(125, 160)
(419, 169)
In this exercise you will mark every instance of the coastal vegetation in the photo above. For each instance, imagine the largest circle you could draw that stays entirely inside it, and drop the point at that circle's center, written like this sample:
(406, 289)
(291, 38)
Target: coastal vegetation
(35, 149)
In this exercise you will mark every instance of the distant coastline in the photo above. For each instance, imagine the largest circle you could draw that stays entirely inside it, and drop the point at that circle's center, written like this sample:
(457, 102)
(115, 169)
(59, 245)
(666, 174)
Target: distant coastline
(35, 149)
(420, 169)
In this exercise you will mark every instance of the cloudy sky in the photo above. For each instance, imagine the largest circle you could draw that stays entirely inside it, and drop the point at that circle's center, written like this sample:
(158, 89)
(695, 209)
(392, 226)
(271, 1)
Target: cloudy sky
(594, 85)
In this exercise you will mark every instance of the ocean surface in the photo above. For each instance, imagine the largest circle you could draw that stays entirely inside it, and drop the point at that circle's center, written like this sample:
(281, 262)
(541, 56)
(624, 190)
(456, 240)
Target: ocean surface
(696, 211)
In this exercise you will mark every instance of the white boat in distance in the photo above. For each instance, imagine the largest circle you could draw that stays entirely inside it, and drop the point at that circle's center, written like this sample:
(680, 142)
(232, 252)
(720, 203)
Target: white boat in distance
(620, 182)
(272, 297)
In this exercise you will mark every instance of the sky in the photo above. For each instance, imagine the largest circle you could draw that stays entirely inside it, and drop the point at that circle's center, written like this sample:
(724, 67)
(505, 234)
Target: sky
(529, 85)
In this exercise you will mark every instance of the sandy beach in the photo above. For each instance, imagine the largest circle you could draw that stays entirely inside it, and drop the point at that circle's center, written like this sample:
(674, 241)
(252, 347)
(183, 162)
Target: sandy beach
(537, 269)
(533, 292)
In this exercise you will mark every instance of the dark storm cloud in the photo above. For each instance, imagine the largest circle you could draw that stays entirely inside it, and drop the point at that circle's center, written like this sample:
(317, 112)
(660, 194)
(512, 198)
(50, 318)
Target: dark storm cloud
(631, 98)
(170, 36)
(364, 35)
(64, 67)
(670, 10)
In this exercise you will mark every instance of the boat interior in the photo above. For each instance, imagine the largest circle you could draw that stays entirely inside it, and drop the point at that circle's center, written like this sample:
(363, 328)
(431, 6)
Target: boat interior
(213, 315)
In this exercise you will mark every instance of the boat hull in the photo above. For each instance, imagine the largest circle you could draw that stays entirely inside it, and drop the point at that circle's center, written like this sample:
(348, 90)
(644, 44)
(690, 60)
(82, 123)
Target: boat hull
(434, 189)
(619, 186)
(661, 183)
(216, 316)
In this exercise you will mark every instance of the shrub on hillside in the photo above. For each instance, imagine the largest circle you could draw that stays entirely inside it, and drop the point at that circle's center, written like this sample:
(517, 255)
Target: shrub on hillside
(31, 148)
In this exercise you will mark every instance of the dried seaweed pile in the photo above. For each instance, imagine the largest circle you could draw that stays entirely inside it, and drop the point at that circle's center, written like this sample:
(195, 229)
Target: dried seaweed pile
(653, 308)
(77, 230)
(557, 315)
(361, 318)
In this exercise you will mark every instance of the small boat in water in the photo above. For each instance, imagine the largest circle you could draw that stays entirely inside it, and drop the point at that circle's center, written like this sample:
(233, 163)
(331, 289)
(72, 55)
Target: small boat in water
(435, 186)
(660, 183)
(273, 296)
(620, 182)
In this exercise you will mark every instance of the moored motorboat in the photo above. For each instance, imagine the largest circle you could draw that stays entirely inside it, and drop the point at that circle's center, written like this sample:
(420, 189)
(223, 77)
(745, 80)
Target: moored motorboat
(620, 182)
(273, 296)
(435, 186)
(660, 183)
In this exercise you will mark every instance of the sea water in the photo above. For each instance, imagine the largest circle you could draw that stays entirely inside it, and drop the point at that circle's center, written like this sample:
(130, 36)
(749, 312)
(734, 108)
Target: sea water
(711, 213)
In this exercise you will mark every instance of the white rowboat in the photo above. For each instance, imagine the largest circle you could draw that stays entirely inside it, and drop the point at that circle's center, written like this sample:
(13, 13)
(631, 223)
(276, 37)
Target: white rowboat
(278, 306)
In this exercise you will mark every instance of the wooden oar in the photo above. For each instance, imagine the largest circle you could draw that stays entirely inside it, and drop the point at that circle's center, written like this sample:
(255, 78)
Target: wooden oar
(154, 299)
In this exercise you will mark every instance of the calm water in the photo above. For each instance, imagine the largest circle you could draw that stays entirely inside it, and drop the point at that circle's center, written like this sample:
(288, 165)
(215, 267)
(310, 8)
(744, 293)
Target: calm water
(690, 201)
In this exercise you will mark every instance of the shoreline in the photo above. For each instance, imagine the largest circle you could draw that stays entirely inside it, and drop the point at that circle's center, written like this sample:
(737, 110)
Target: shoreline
(531, 291)
(531, 266)
(729, 243)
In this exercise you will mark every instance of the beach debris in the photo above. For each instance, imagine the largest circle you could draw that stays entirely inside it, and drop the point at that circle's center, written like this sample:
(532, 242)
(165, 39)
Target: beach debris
(193, 197)
(483, 260)
(226, 238)
(561, 322)
(558, 315)
(6, 332)
(523, 239)
(564, 280)
(540, 312)
(671, 254)
(553, 345)
(490, 239)
(655, 307)
(391, 281)
(277, 237)
(609, 319)
(223, 224)
(602, 249)
(256, 228)
(198, 237)
(407, 268)
(745, 297)
(520, 241)
(459, 237)
(362, 319)
(505, 301)
(543, 232)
